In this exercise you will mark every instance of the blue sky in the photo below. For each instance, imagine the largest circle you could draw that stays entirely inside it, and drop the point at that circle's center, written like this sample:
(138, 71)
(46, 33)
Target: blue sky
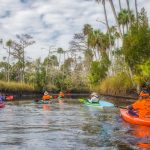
(53, 22)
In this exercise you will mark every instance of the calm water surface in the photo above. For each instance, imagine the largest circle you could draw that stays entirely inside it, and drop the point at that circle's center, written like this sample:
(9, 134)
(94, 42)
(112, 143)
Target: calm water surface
(61, 126)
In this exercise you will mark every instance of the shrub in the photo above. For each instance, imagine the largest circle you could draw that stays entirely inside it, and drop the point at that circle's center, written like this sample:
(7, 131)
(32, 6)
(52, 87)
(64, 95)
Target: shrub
(117, 85)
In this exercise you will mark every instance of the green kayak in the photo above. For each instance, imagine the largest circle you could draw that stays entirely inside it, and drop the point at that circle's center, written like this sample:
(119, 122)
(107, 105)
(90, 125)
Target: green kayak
(100, 104)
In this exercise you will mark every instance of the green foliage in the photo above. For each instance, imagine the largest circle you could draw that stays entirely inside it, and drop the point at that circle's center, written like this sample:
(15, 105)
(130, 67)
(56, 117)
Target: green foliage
(136, 44)
(98, 70)
(40, 80)
(143, 73)
(51, 60)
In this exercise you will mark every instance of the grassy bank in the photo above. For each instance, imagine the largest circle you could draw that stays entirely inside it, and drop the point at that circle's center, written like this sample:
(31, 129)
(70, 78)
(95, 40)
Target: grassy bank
(117, 85)
(15, 86)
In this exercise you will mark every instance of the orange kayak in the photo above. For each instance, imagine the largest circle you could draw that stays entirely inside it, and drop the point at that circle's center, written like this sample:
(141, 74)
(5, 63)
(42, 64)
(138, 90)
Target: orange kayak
(133, 119)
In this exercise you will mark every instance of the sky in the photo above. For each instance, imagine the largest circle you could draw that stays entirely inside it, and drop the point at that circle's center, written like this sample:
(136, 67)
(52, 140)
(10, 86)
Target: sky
(53, 22)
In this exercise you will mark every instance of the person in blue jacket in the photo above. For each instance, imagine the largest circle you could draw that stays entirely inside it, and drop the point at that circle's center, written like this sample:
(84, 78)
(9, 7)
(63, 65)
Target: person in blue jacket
(2, 98)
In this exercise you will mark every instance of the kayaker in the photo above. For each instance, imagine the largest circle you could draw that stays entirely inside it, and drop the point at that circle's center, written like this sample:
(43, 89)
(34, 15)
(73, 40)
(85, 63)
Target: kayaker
(94, 98)
(2, 98)
(144, 92)
(46, 96)
(61, 94)
(141, 108)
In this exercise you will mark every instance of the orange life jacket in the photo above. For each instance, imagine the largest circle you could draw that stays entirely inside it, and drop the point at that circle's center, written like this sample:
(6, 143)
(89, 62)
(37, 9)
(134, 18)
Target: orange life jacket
(46, 97)
(61, 94)
(143, 107)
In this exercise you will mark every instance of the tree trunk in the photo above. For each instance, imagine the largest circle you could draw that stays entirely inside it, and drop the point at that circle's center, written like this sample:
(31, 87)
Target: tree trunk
(123, 29)
(127, 27)
(129, 12)
(136, 10)
(120, 5)
(23, 68)
(108, 29)
(94, 51)
(116, 18)
(8, 70)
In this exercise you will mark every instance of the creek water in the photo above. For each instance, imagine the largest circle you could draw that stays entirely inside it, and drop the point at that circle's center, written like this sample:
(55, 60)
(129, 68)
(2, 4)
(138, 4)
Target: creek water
(61, 126)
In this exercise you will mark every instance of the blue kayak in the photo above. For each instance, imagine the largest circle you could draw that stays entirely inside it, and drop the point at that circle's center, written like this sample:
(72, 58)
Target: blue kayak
(105, 104)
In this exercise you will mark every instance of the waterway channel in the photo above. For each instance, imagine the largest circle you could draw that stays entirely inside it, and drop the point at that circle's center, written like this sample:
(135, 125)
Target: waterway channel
(26, 125)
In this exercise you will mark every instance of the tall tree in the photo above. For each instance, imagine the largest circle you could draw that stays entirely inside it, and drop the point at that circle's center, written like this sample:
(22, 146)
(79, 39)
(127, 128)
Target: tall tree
(129, 12)
(25, 40)
(17, 54)
(137, 42)
(136, 10)
(60, 51)
(87, 30)
(116, 18)
(9, 44)
(120, 5)
(106, 20)
(123, 19)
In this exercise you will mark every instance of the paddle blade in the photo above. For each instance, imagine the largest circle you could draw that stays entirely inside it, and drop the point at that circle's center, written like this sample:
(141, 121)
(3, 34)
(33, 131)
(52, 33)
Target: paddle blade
(81, 100)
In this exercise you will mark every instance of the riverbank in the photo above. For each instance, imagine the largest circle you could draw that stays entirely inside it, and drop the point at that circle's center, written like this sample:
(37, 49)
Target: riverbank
(38, 95)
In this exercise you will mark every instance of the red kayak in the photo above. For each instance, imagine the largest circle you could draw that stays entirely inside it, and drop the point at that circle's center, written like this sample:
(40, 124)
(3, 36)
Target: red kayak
(10, 97)
(2, 105)
(134, 120)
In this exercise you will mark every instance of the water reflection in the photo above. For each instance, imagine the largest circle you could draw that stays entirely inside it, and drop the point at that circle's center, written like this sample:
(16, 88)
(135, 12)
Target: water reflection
(46, 106)
(142, 133)
(61, 101)
(135, 135)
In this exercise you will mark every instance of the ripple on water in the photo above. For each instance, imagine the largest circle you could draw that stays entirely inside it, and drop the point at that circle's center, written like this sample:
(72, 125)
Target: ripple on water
(67, 127)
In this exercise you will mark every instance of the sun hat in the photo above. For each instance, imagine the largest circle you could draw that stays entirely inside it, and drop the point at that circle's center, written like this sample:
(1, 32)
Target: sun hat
(45, 93)
(94, 94)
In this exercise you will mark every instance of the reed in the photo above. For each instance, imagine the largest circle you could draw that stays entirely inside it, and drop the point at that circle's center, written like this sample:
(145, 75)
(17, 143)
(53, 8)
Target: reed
(15, 86)
(116, 85)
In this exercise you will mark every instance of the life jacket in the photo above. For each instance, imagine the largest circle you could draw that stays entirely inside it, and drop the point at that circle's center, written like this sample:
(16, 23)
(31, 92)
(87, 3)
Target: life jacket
(61, 94)
(143, 107)
(46, 97)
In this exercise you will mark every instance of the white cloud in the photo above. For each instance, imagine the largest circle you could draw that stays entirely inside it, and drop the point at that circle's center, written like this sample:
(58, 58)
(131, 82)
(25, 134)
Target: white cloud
(53, 22)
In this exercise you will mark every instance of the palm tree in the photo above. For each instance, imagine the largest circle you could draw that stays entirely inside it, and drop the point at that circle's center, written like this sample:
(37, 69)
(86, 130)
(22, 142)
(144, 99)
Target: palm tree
(123, 19)
(106, 20)
(90, 37)
(87, 30)
(92, 42)
(116, 18)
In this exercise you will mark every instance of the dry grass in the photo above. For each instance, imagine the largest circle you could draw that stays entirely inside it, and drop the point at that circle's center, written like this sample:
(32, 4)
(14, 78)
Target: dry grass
(15, 86)
(117, 85)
